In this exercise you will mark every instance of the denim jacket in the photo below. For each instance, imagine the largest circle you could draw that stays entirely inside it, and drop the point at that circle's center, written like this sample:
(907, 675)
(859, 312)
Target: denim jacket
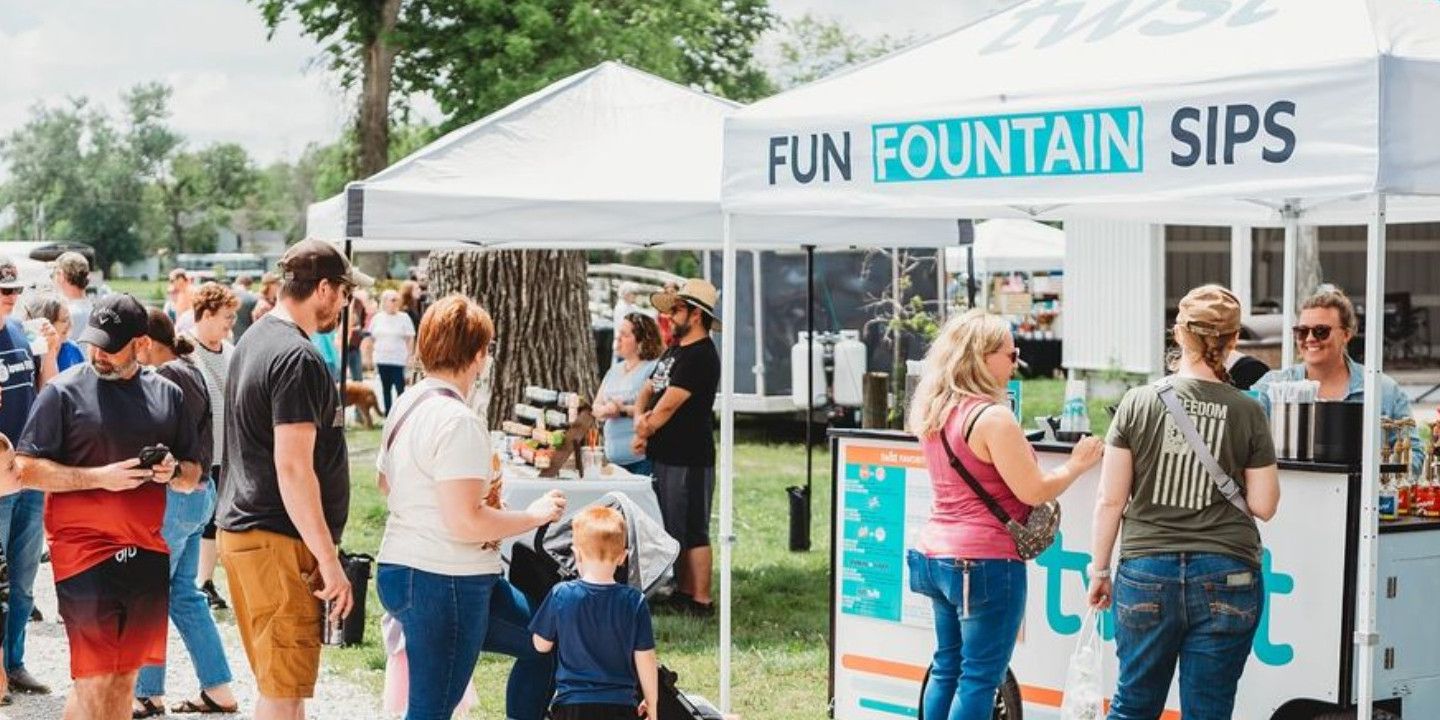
(1393, 403)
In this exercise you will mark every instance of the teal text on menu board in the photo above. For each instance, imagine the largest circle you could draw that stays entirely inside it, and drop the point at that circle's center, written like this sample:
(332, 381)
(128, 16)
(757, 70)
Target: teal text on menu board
(873, 554)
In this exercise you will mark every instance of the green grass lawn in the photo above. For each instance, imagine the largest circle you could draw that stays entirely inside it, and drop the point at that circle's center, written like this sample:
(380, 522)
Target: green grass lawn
(781, 599)
(146, 290)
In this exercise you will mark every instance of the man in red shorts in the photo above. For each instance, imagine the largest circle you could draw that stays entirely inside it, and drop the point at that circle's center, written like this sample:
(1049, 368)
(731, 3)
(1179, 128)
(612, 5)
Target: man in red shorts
(82, 446)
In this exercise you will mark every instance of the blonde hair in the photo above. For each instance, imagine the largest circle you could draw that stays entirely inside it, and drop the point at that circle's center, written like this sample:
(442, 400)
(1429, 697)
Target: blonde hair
(1329, 296)
(600, 534)
(955, 369)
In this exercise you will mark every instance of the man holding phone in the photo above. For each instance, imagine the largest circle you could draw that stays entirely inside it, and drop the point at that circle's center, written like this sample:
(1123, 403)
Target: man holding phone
(84, 446)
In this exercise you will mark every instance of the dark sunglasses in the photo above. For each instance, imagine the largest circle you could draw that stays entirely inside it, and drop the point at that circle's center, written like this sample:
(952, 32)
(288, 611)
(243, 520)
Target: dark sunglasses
(11, 291)
(1321, 333)
(1014, 355)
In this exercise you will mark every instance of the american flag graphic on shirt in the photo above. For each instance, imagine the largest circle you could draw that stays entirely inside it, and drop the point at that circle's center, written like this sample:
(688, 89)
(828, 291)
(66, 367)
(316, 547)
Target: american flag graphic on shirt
(1181, 479)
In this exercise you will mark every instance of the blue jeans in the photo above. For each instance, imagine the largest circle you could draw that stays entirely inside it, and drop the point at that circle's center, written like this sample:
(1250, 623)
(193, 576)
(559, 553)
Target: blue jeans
(353, 364)
(392, 378)
(979, 605)
(22, 529)
(185, 518)
(1201, 610)
(447, 621)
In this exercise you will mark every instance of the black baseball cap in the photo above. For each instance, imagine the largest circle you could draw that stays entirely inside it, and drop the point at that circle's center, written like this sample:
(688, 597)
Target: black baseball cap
(115, 321)
(319, 260)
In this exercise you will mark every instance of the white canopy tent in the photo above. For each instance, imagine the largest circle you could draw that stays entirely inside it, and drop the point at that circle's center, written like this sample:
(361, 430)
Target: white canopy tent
(608, 158)
(1007, 245)
(1259, 113)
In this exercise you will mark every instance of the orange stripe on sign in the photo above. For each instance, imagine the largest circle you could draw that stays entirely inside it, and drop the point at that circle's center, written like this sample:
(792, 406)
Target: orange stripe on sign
(1050, 697)
(886, 668)
(893, 457)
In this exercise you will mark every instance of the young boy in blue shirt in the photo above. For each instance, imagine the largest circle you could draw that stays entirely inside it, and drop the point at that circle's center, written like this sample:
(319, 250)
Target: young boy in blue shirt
(600, 631)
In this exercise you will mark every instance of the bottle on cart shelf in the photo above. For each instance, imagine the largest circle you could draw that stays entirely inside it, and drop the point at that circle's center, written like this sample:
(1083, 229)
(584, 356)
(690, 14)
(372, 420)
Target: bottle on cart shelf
(1388, 498)
(1405, 497)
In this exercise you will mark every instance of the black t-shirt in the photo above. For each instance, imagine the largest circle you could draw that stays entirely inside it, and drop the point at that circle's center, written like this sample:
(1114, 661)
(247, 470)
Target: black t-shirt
(82, 420)
(277, 377)
(688, 438)
(187, 377)
(1247, 371)
(17, 379)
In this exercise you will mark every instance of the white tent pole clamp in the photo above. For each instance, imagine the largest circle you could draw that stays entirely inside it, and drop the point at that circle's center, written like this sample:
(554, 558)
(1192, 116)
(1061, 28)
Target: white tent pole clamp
(1291, 215)
(1366, 635)
(727, 450)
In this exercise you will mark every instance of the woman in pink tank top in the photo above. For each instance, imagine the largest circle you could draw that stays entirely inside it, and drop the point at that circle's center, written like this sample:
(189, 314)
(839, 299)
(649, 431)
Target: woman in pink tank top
(965, 560)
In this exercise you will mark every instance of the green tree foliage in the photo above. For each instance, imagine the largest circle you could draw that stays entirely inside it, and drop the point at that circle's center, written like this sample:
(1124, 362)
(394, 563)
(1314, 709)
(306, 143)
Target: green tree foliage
(193, 194)
(476, 56)
(811, 47)
(75, 175)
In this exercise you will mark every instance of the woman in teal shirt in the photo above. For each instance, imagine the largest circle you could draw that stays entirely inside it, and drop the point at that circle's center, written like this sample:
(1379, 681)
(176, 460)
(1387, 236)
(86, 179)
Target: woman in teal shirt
(637, 345)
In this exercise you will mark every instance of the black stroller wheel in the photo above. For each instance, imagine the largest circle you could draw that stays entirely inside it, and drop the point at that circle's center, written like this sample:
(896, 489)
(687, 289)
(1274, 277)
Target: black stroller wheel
(1007, 698)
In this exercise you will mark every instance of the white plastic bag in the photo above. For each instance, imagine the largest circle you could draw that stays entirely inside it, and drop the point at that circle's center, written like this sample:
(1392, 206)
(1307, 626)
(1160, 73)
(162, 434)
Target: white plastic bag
(1084, 689)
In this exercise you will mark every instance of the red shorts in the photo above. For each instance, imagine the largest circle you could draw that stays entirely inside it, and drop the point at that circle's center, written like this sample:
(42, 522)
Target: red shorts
(116, 613)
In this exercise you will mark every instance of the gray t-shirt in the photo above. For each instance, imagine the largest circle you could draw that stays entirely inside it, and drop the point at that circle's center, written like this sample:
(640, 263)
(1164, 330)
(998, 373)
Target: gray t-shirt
(278, 378)
(1174, 505)
(215, 368)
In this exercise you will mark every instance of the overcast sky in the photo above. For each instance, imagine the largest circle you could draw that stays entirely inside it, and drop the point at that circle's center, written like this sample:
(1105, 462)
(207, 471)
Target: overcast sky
(231, 84)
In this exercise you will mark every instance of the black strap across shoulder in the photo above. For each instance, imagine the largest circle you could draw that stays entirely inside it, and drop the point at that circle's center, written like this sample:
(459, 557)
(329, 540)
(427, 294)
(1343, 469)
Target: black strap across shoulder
(990, 503)
(424, 395)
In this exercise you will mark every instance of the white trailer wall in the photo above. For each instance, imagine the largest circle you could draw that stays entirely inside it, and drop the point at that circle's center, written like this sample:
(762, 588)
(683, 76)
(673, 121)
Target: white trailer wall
(1114, 296)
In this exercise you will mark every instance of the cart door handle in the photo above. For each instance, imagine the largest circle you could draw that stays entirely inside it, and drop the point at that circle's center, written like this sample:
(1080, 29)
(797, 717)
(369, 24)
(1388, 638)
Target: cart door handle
(1389, 658)
(1392, 587)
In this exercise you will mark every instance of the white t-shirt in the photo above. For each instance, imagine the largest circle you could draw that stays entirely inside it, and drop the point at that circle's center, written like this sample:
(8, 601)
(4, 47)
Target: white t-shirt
(390, 332)
(441, 441)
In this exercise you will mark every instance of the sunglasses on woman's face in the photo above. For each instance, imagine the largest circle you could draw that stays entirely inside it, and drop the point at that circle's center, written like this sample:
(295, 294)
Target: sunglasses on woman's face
(1014, 355)
(1321, 333)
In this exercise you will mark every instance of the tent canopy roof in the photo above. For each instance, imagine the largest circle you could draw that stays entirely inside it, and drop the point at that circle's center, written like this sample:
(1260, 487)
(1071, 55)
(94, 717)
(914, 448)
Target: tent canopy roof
(1007, 245)
(609, 156)
(1219, 112)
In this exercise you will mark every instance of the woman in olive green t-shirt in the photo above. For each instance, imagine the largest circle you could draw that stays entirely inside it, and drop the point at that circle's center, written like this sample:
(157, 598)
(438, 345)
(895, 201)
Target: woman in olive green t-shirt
(1188, 589)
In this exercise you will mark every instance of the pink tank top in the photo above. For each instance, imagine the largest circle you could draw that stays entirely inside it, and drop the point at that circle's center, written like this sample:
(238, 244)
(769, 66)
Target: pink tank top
(960, 525)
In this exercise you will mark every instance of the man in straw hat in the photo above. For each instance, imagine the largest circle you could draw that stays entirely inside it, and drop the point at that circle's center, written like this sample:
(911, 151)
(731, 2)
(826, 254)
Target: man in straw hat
(674, 427)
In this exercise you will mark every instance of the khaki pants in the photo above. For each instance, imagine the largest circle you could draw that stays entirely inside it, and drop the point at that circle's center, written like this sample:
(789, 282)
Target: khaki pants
(272, 578)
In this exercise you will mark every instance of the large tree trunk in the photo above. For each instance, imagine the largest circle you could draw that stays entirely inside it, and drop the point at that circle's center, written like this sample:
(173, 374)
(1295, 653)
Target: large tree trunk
(540, 302)
(373, 123)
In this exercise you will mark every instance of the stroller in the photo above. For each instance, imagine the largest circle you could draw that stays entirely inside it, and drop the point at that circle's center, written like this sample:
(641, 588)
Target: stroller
(548, 558)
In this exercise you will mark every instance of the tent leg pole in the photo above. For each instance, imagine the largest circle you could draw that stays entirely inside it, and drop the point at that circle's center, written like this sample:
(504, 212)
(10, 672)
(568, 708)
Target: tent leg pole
(345, 335)
(727, 456)
(1292, 252)
(1366, 637)
(798, 498)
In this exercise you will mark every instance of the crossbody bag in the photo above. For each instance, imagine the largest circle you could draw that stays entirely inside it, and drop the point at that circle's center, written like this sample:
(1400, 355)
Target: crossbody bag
(1038, 531)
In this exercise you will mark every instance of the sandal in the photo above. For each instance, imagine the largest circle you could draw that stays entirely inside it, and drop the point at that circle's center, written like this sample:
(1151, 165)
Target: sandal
(148, 708)
(206, 706)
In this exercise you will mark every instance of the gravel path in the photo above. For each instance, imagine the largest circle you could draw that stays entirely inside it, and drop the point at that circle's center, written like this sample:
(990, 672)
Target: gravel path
(47, 656)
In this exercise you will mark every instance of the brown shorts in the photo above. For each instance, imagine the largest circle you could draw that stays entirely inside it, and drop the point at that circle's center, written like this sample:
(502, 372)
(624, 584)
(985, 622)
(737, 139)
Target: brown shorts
(272, 578)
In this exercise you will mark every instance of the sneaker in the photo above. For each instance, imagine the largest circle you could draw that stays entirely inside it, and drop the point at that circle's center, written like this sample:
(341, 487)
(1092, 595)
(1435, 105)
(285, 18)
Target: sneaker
(22, 681)
(212, 596)
(6, 700)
